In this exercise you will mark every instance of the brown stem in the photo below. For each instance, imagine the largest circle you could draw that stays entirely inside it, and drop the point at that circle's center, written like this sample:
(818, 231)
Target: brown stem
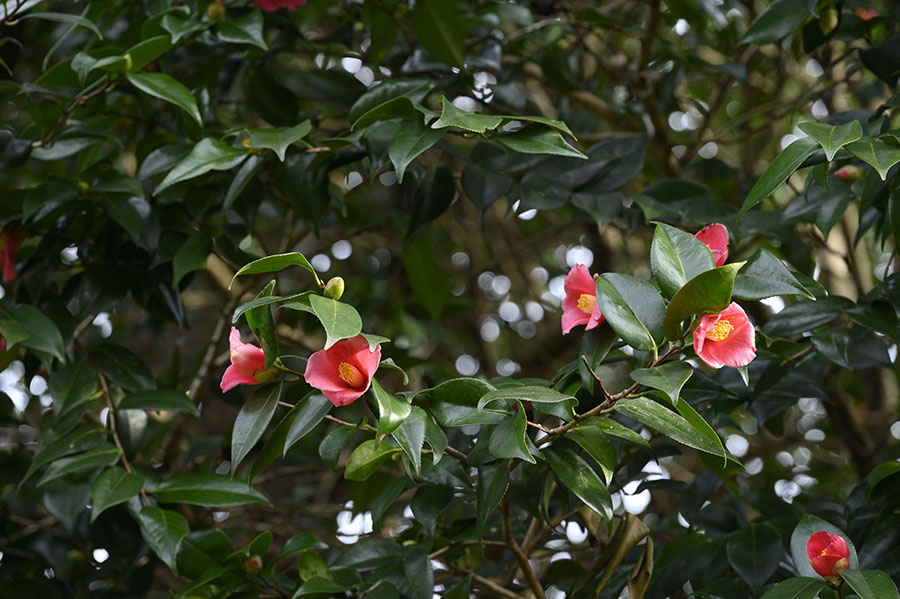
(521, 557)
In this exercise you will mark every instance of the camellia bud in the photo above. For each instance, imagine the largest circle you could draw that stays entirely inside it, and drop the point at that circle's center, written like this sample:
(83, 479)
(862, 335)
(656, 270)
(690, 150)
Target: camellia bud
(828, 20)
(253, 564)
(334, 288)
(215, 11)
(848, 174)
(129, 62)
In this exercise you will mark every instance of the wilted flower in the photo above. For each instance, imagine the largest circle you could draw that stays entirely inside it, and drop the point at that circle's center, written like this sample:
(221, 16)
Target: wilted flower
(715, 236)
(343, 372)
(726, 338)
(273, 5)
(248, 364)
(580, 305)
(828, 554)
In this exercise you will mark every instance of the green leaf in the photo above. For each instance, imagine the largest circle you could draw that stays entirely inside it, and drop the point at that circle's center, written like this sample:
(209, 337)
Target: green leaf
(536, 139)
(208, 155)
(493, 480)
(428, 503)
(179, 27)
(61, 17)
(299, 543)
(310, 412)
(508, 438)
(164, 87)
(709, 292)
(555, 124)
(532, 393)
(411, 140)
(779, 19)
(766, 276)
(113, 487)
(26, 325)
(410, 434)
(333, 444)
(312, 565)
(298, 301)
(781, 168)
(164, 400)
(451, 116)
(71, 386)
(202, 550)
(207, 489)
(668, 423)
(122, 367)
(633, 308)
(439, 28)
(796, 588)
(578, 476)
(833, 138)
(366, 459)
(84, 437)
(278, 139)
(668, 378)
(881, 155)
(460, 590)
(274, 445)
(615, 429)
(319, 586)
(394, 98)
(191, 256)
(244, 30)
(276, 263)
(807, 527)
(103, 455)
(435, 438)
(593, 440)
(755, 553)
(427, 279)
(677, 257)
(262, 323)
(162, 531)
(341, 321)
(203, 580)
(870, 584)
(391, 411)
(455, 403)
(252, 420)
(700, 425)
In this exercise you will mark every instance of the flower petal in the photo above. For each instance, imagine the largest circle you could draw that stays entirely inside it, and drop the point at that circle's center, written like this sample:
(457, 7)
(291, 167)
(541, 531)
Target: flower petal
(233, 377)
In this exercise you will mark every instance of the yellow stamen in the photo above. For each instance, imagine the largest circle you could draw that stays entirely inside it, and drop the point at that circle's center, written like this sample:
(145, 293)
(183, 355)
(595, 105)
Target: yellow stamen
(720, 331)
(586, 303)
(351, 375)
(824, 551)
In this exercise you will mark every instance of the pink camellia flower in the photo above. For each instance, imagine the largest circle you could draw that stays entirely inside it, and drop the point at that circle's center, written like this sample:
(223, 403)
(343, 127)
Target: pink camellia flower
(828, 554)
(9, 244)
(580, 305)
(726, 338)
(273, 5)
(248, 364)
(343, 372)
(715, 236)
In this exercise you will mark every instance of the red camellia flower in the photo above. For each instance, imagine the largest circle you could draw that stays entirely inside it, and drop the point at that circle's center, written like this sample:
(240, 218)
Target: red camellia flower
(726, 338)
(9, 244)
(580, 305)
(715, 236)
(343, 372)
(273, 5)
(828, 554)
(248, 364)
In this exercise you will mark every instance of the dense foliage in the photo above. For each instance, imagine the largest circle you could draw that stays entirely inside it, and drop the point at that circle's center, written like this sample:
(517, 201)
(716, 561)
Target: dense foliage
(285, 285)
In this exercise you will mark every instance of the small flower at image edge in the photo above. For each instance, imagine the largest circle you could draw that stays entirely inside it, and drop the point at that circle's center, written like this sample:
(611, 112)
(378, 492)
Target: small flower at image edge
(9, 244)
(580, 304)
(248, 364)
(726, 338)
(828, 554)
(715, 236)
(273, 5)
(343, 372)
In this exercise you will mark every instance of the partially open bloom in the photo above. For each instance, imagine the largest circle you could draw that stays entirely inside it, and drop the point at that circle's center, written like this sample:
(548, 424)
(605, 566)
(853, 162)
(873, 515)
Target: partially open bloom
(715, 236)
(248, 364)
(273, 5)
(828, 554)
(580, 305)
(9, 243)
(726, 338)
(343, 372)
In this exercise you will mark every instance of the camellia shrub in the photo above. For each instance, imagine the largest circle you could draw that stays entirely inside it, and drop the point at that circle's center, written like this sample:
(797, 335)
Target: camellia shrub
(450, 298)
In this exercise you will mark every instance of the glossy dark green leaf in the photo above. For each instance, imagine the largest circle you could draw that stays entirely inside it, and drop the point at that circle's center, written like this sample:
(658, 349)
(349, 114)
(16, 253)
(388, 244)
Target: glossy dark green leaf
(113, 487)
(307, 414)
(191, 256)
(460, 590)
(391, 410)
(614, 429)
(709, 292)
(410, 433)
(807, 527)
(394, 98)
(439, 28)
(755, 553)
(208, 155)
(493, 481)
(311, 565)
(669, 423)
(164, 400)
(26, 325)
(164, 87)
(537, 139)
(247, 29)
(427, 279)
(178, 27)
(796, 588)
(778, 20)
(677, 257)
(832, 138)
(508, 438)
(103, 455)
(451, 116)
(881, 155)
(366, 459)
(84, 437)
(202, 550)
(72, 385)
(668, 378)
(299, 543)
(333, 444)
(207, 489)
(532, 393)
(766, 276)
(276, 263)
(701, 426)
(412, 139)
(633, 308)
(252, 420)
(319, 586)
(278, 139)
(341, 321)
(428, 503)
(578, 476)
(593, 440)
(162, 531)
(781, 168)
(60, 17)
(870, 584)
(262, 323)
(435, 437)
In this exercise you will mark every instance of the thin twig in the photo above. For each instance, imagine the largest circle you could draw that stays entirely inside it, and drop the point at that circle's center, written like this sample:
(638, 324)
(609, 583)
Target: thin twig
(521, 556)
